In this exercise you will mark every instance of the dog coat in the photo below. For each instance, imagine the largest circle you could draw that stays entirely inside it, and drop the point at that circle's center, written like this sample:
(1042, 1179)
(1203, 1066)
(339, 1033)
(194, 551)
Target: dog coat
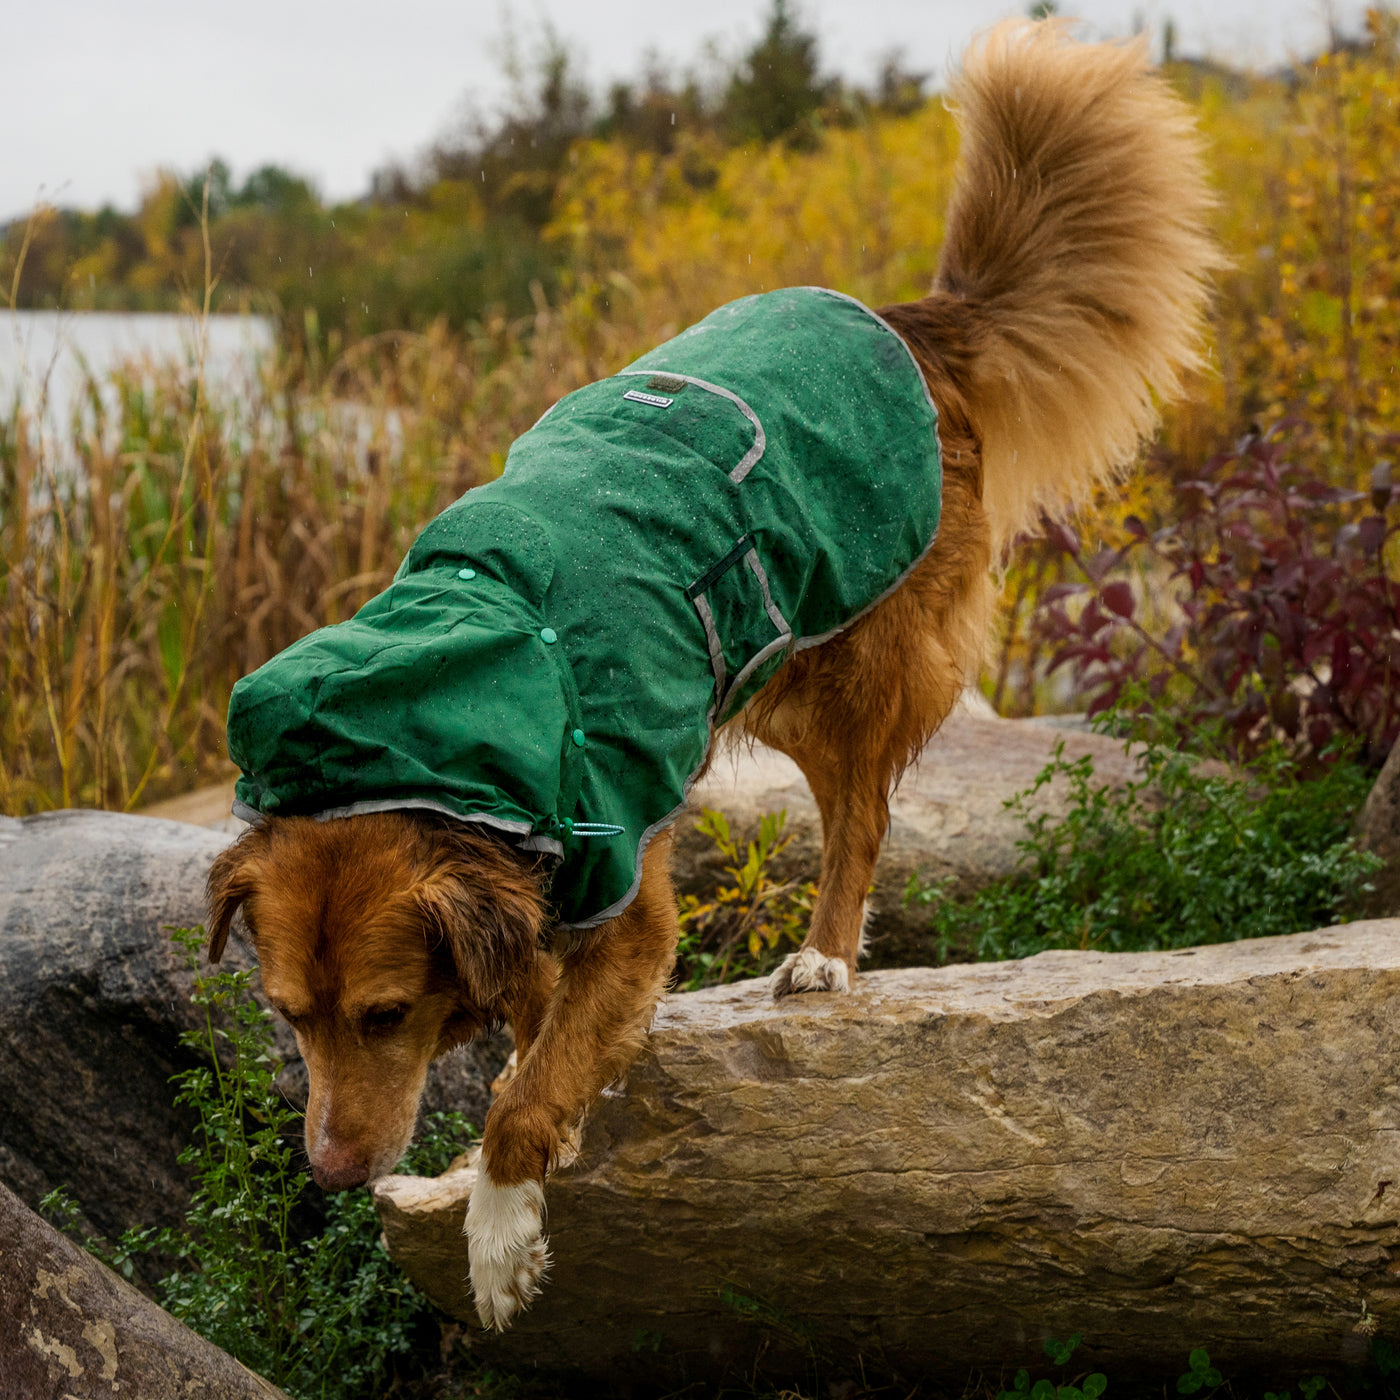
(558, 647)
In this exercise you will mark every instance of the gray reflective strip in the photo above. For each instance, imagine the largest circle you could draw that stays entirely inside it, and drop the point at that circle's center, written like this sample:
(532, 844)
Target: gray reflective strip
(875, 316)
(776, 617)
(408, 804)
(776, 645)
(760, 439)
(707, 618)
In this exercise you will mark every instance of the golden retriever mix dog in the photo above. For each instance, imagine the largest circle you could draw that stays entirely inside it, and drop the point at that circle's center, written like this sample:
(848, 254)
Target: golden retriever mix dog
(1067, 304)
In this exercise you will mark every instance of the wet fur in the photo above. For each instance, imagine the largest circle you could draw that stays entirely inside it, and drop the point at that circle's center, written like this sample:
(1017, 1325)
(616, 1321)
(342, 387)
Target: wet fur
(1069, 294)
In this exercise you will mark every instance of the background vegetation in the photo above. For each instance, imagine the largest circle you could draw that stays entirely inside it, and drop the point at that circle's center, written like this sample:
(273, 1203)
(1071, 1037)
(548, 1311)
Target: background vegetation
(531, 254)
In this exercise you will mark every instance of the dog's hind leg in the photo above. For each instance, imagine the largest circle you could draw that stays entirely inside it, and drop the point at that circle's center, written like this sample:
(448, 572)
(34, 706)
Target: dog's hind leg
(856, 711)
(610, 980)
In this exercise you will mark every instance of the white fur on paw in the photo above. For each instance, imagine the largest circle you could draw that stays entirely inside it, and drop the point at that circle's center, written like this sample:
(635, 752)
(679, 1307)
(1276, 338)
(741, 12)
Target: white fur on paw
(808, 970)
(506, 1246)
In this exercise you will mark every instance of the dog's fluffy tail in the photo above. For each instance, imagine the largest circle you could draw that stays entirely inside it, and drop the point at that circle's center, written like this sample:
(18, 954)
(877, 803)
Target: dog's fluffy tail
(1077, 246)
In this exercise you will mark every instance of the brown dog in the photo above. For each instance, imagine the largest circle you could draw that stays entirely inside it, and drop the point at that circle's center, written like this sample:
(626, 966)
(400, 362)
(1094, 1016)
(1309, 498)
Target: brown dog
(1068, 299)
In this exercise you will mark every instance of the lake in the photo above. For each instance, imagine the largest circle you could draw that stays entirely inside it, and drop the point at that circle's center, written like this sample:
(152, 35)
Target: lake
(46, 355)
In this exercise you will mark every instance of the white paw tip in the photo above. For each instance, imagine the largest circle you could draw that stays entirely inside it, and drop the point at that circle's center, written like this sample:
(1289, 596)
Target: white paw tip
(508, 1252)
(808, 970)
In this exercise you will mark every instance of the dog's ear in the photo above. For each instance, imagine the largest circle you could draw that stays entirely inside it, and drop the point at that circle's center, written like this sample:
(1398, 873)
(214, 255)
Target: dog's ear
(489, 911)
(231, 881)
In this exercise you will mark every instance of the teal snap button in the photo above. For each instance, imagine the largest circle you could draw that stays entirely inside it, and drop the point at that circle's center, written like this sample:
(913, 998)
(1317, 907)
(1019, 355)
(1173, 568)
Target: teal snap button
(548, 634)
(578, 737)
(466, 573)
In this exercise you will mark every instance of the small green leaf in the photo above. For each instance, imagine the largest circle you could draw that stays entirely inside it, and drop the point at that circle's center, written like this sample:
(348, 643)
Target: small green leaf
(1095, 1385)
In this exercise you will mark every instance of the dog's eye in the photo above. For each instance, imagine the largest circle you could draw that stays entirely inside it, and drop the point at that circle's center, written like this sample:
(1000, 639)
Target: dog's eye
(384, 1018)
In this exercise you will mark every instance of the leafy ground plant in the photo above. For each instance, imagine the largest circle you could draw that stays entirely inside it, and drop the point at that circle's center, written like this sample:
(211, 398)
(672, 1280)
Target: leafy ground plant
(1189, 854)
(326, 1318)
(752, 919)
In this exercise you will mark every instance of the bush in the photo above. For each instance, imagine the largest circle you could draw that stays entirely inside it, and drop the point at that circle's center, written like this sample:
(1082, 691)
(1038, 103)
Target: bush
(327, 1317)
(1284, 623)
(1189, 854)
(752, 920)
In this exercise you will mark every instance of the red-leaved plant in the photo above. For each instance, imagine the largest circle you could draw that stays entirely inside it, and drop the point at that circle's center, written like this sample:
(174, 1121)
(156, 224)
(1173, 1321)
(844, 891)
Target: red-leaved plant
(1275, 616)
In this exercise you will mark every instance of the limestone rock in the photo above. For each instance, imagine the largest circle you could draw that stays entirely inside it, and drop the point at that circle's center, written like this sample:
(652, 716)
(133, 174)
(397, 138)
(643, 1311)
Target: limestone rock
(70, 1328)
(93, 998)
(948, 817)
(1160, 1151)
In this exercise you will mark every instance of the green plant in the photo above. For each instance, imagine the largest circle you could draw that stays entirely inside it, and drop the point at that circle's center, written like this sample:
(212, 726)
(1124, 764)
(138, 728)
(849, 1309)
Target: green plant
(326, 1317)
(752, 919)
(1190, 853)
(1089, 1387)
(1201, 1373)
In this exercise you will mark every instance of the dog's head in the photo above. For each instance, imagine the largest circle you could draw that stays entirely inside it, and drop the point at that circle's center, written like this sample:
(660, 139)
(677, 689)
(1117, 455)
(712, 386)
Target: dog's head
(385, 940)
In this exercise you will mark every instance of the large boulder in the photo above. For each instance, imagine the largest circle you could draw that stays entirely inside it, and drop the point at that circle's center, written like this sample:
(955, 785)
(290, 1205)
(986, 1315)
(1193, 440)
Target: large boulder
(70, 1328)
(93, 998)
(1157, 1150)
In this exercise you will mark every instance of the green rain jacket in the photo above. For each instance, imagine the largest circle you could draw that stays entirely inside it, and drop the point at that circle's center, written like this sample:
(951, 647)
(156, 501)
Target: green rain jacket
(555, 652)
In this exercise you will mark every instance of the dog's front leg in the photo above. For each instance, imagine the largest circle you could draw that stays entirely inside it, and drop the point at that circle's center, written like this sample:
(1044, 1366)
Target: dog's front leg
(607, 991)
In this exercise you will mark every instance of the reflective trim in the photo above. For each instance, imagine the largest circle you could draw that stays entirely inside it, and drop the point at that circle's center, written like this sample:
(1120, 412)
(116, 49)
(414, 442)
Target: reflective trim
(760, 439)
(776, 645)
(416, 804)
(875, 316)
(707, 618)
(774, 616)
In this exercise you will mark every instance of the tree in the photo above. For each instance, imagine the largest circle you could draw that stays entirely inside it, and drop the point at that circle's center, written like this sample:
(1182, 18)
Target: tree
(778, 87)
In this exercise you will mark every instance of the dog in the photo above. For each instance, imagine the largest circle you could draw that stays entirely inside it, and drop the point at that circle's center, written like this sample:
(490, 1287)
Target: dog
(1068, 303)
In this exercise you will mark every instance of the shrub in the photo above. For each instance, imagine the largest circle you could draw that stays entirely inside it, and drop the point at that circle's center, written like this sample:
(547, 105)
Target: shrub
(326, 1317)
(752, 920)
(1284, 622)
(1189, 854)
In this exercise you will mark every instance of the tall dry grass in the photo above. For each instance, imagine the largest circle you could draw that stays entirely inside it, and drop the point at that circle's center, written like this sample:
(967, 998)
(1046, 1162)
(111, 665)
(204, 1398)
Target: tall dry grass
(180, 541)
(197, 536)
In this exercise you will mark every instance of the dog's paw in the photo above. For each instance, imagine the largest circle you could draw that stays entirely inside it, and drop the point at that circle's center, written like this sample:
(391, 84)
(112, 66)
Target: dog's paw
(507, 1248)
(808, 970)
(570, 1145)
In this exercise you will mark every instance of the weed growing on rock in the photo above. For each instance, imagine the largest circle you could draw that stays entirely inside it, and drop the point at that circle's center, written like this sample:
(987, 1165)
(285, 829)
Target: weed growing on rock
(752, 919)
(325, 1318)
(1192, 853)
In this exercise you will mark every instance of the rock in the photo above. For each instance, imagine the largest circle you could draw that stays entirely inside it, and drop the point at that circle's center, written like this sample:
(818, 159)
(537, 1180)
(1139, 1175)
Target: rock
(1378, 831)
(70, 1328)
(1157, 1150)
(948, 818)
(93, 998)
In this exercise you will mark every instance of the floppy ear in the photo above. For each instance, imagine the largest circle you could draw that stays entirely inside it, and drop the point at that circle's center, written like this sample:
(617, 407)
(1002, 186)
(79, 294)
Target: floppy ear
(231, 881)
(489, 910)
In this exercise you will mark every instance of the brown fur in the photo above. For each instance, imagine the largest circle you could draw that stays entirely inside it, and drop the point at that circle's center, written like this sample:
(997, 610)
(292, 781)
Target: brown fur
(1069, 295)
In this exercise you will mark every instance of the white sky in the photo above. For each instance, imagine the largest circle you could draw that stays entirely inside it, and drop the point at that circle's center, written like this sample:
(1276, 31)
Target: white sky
(96, 94)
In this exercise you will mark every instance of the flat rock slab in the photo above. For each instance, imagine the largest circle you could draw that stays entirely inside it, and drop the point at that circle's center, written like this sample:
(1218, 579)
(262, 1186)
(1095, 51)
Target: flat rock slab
(1159, 1151)
(70, 1329)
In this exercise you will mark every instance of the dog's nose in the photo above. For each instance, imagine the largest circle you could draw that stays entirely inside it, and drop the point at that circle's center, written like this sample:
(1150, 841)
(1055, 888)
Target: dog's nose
(338, 1168)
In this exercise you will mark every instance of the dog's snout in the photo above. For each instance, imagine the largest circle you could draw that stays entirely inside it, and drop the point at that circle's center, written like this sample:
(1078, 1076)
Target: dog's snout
(339, 1168)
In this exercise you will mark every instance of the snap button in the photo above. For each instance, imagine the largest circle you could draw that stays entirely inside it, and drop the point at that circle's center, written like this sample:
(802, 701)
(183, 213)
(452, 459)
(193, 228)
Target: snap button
(466, 573)
(578, 737)
(548, 634)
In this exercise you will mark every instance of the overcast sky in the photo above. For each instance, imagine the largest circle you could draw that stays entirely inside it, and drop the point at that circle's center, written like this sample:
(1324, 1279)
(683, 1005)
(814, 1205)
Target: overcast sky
(98, 94)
